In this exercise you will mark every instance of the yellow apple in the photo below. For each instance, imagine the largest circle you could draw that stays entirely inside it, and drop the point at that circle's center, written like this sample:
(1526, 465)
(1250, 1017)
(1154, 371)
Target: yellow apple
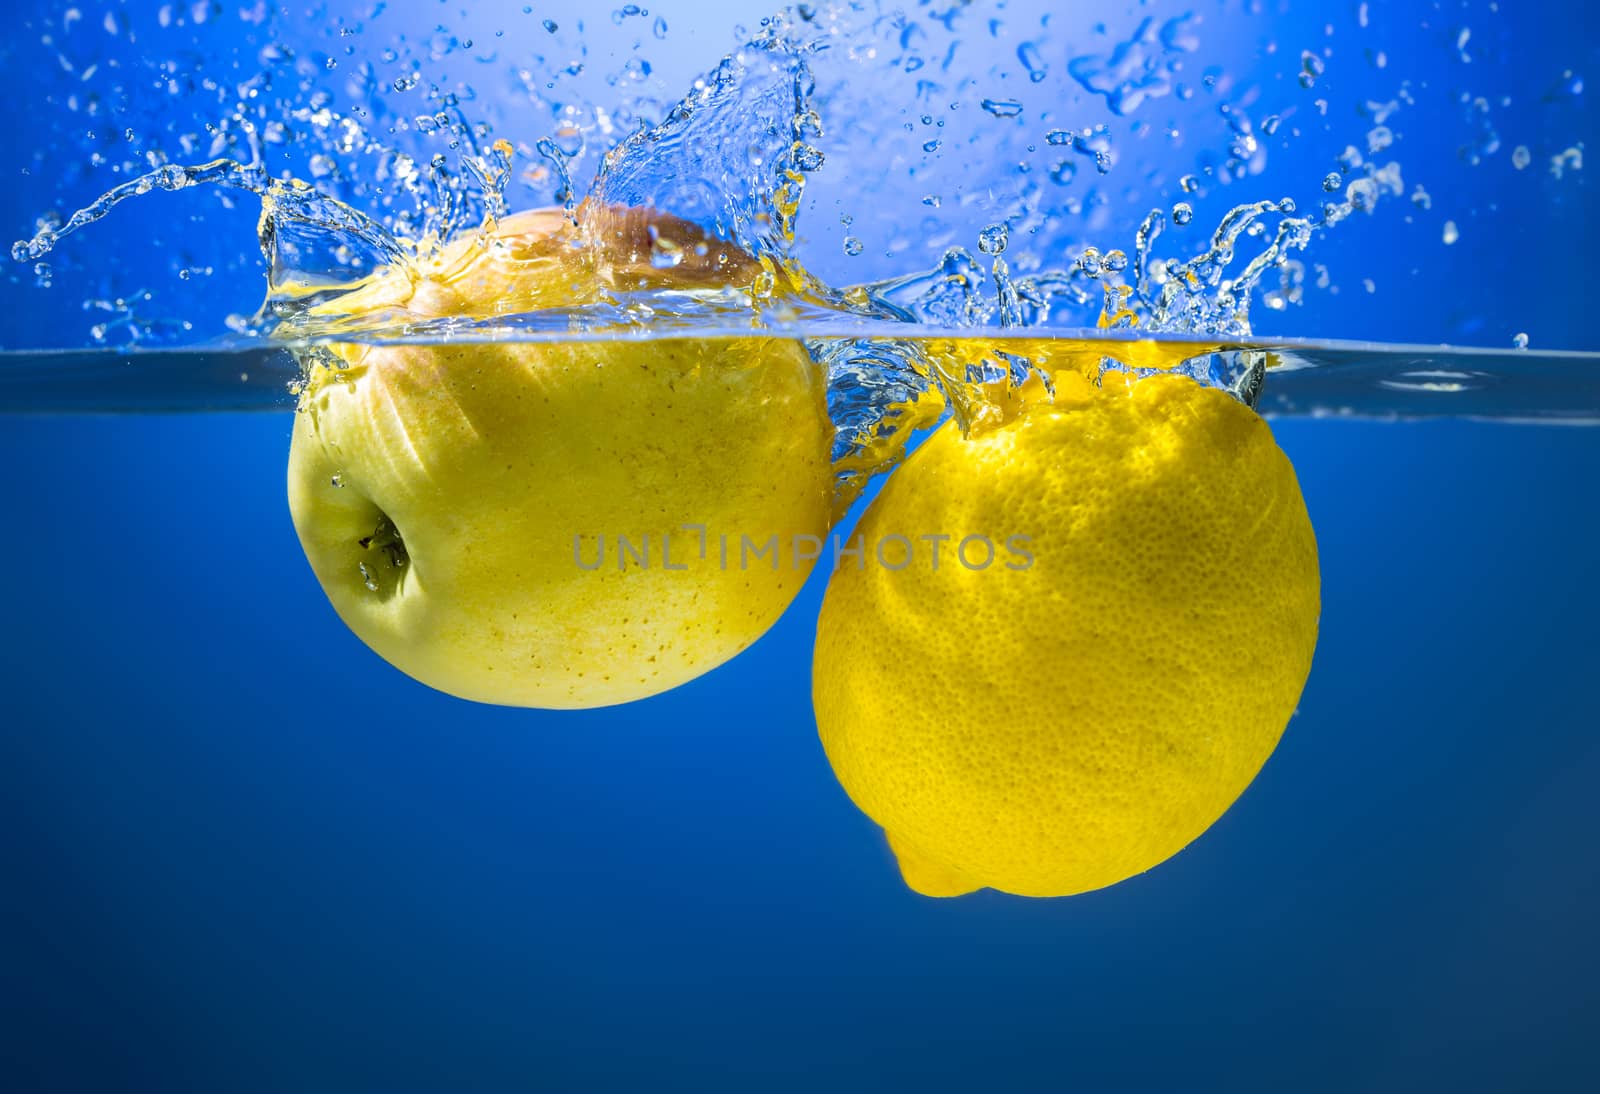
(560, 523)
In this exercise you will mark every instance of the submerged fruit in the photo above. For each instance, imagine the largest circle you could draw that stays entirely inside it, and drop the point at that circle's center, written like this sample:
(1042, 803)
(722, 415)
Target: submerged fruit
(1089, 701)
(543, 523)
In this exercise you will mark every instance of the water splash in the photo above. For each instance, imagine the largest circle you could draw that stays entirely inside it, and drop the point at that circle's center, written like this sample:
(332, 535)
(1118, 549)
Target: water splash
(309, 240)
(397, 185)
(734, 154)
(1139, 69)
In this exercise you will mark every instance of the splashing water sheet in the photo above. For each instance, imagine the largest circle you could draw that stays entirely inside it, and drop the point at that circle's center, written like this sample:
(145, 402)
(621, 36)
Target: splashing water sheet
(1066, 203)
(1368, 222)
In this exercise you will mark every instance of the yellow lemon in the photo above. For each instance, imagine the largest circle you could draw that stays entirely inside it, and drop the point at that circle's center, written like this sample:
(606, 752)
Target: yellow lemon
(1113, 635)
(560, 524)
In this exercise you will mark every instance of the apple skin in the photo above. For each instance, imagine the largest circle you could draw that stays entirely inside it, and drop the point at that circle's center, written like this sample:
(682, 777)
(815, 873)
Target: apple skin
(474, 483)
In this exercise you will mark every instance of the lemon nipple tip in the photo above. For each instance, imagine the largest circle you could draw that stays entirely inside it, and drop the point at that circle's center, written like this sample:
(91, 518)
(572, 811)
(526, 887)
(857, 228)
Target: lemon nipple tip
(927, 876)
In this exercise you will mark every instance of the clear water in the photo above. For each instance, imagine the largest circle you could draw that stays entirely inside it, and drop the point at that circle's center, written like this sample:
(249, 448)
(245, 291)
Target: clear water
(1303, 378)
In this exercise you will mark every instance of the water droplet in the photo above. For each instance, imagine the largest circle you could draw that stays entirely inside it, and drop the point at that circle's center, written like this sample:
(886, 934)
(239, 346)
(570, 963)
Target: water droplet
(1332, 181)
(1003, 108)
(1521, 157)
(1520, 340)
(1115, 261)
(808, 157)
(1058, 137)
(1311, 66)
(931, 200)
(1189, 184)
(660, 27)
(1451, 233)
(1028, 54)
(1362, 194)
(931, 146)
(1182, 213)
(992, 240)
(1571, 159)
(337, 479)
(550, 25)
(853, 246)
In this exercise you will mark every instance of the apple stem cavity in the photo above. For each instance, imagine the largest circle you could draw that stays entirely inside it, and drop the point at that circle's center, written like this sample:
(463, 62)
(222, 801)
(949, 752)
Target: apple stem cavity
(386, 538)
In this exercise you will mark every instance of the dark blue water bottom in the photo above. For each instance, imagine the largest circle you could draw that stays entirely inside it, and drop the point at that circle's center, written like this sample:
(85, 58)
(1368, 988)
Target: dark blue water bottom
(240, 853)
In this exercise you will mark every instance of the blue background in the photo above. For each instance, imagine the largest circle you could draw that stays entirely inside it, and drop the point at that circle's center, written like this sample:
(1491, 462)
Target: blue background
(241, 853)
